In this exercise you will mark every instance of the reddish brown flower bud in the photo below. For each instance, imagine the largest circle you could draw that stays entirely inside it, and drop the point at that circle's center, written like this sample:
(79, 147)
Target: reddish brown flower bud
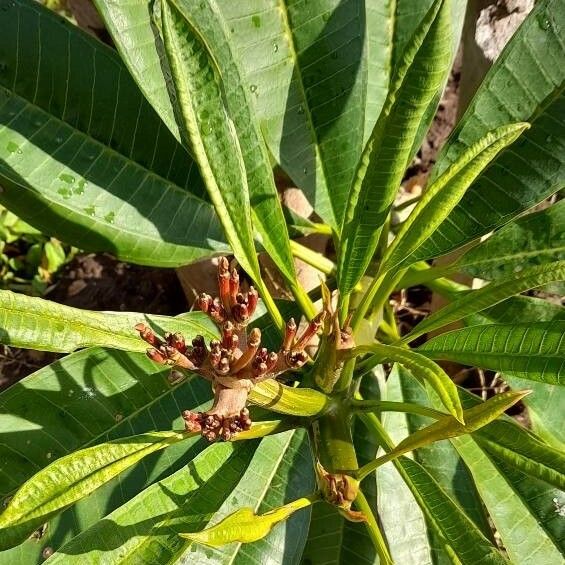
(234, 286)
(217, 312)
(240, 313)
(309, 332)
(224, 282)
(289, 334)
(148, 335)
(203, 302)
(228, 336)
(252, 299)
(296, 359)
(177, 341)
(253, 342)
(156, 356)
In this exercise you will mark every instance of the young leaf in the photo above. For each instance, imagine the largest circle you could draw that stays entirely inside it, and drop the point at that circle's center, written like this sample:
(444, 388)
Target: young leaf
(283, 399)
(495, 292)
(206, 123)
(442, 196)
(244, 526)
(448, 427)
(535, 56)
(73, 477)
(380, 169)
(534, 351)
(422, 369)
(47, 326)
(209, 486)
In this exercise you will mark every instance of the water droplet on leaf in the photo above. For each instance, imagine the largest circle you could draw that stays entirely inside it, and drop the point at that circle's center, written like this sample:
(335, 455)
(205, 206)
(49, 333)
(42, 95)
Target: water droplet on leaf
(69, 179)
(275, 47)
(109, 217)
(13, 147)
(256, 20)
(65, 192)
(90, 210)
(253, 88)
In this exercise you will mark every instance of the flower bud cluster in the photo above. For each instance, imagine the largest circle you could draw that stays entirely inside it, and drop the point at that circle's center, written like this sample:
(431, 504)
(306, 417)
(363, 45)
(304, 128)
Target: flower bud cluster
(236, 362)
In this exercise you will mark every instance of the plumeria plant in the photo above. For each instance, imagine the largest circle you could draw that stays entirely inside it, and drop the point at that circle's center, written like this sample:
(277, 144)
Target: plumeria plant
(255, 429)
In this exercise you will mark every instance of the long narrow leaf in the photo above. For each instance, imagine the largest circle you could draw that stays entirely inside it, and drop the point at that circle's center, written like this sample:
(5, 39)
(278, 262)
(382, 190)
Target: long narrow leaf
(448, 427)
(443, 195)
(41, 324)
(477, 300)
(419, 76)
(422, 369)
(534, 351)
(526, 83)
(206, 123)
(266, 209)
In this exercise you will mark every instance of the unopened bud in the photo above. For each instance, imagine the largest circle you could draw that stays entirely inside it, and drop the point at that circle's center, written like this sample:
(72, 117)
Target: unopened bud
(252, 299)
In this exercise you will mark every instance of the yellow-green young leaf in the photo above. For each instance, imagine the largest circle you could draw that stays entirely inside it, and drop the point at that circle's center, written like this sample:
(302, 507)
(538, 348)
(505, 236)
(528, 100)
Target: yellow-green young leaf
(534, 351)
(284, 399)
(244, 526)
(495, 292)
(421, 368)
(444, 194)
(419, 76)
(205, 122)
(41, 324)
(73, 477)
(448, 427)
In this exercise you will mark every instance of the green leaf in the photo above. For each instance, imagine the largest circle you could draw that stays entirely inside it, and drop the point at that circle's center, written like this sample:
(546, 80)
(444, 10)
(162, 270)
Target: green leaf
(214, 483)
(533, 351)
(545, 408)
(524, 451)
(93, 163)
(206, 123)
(268, 217)
(422, 369)
(495, 292)
(523, 536)
(462, 540)
(41, 324)
(443, 463)
(442, 196)
(319, 73)
(448, 427)
(381, 167)
(531, 240)
(525, 84)
(73, 477)
(140, 48)
(244, 526)
(401, 517)
(86, 398)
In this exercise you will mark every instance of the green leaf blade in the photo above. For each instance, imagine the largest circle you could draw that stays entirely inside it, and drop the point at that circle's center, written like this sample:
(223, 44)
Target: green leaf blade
(47, 326)
(384, 159)
(71, 478)
(422, 370)
(525, 84)
(534, 351)
(490, 295)
(442, 196)
(211, 133)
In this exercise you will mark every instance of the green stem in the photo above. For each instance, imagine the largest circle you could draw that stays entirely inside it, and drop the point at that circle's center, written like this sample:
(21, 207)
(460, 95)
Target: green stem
(271, 306)
(335, 443)
(378, 292)
(303, 300)
(312, 258)
(373, 529)
(389, 406)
